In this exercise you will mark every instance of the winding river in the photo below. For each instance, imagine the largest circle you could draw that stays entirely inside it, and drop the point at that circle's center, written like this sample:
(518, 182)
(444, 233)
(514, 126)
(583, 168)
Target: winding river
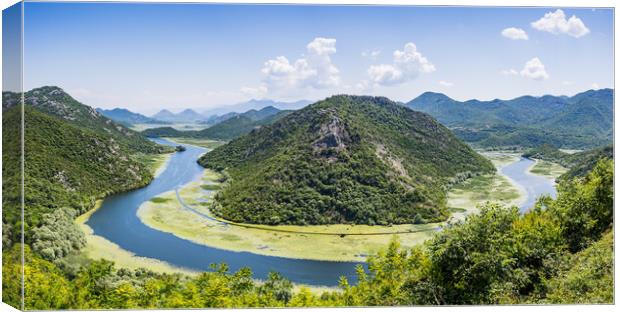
(116, 220)
(533, 185)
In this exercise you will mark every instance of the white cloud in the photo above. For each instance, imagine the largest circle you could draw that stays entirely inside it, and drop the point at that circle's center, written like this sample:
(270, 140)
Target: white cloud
(595, 86)
(446, 83)
(510, 72)
(372, 54)
(567, 83)
(314, 70)
(556, 23)
(407, 65)
(515, 33)
(534, 69)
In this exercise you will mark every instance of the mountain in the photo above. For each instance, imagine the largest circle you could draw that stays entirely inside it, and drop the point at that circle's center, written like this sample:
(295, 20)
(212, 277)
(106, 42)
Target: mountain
(231, 128)
(215, 119)
(128, 117)
(347, 159)
(73, 156)
(581, 121)
(190, 115)
(185, 116)
(164, 115)
(54, 101)
(256, 105)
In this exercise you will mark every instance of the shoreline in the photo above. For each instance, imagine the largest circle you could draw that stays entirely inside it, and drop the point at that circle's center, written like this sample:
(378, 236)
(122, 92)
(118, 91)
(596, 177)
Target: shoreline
(176, 213)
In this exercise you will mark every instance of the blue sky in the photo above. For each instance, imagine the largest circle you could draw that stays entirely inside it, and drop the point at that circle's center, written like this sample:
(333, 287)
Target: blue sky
(151, 56)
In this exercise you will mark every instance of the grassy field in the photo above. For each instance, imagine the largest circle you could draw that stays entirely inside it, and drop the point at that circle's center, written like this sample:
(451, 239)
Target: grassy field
(486, 188)
(547, 169)
(206, 143)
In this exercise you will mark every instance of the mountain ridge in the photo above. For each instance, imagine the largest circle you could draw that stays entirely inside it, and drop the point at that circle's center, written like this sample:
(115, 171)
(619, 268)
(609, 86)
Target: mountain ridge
(584, 120)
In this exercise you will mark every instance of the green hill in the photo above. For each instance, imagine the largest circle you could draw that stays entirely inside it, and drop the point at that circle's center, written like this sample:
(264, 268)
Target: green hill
(582, 121)
(346, 159)
(69, 162)
(226, 130)
(54, 101)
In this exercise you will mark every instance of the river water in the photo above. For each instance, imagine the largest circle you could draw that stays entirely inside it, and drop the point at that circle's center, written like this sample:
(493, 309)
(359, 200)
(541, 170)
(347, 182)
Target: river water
(116, 220)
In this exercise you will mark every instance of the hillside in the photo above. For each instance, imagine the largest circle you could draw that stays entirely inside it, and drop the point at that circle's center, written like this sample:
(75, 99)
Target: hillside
(346, 159)
(582, 121)
(54, 101)
(65, 166)
(128, 117)
(226, 130)
(579, 164)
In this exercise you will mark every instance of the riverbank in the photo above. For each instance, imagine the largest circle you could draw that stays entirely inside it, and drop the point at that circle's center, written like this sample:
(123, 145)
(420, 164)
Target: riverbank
(98, 247)
(547, 169)
(185, 214)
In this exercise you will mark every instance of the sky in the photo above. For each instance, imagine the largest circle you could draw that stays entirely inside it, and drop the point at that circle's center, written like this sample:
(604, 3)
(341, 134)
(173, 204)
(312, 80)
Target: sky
(146, 57)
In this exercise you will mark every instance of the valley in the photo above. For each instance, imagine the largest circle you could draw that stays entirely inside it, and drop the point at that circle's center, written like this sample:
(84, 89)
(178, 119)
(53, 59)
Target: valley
(275, 190)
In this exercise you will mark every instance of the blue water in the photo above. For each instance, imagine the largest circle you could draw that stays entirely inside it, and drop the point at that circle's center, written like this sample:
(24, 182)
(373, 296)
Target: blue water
(534, 185)
(117, 221)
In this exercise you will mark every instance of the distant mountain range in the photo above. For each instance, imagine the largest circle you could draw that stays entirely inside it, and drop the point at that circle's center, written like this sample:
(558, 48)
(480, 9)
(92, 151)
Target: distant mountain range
(128, 117)
(257, 105)
(186, 116)
(581, 121)
(231, 127)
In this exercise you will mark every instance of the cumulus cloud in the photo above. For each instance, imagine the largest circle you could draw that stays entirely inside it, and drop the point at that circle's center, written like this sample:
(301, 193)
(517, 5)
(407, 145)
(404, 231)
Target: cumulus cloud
(515, 33)
(446, 83)
(595, 86)
(407, 65)
(556, 23)
(313, 70)
(534, 69)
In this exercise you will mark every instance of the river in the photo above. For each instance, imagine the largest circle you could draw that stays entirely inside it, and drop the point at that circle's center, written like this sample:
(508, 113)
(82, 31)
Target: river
(116, 220)
(533, 185)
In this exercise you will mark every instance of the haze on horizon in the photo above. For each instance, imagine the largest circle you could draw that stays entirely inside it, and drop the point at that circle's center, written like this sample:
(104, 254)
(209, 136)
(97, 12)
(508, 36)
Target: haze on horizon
(147, 57)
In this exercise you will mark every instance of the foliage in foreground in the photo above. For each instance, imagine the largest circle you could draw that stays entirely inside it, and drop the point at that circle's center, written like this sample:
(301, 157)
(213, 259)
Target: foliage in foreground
(559, 252)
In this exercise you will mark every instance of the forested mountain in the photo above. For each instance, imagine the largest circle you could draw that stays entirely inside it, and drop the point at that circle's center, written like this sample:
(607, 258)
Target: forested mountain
(128, 117)
(54, 101)
(582, 121)
(73, 156)
(579, 164)
(346, 159)
(229, 129)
